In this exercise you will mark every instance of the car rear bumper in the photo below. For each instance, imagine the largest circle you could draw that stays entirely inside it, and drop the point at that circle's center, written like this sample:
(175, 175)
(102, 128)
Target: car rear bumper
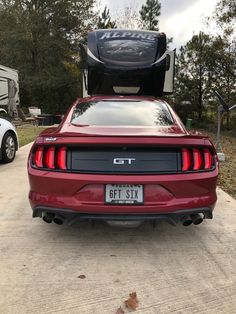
(83, 195)
(172, 217)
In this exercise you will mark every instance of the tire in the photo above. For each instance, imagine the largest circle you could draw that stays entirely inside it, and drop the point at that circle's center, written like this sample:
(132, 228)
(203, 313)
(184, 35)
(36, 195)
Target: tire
(8, 148)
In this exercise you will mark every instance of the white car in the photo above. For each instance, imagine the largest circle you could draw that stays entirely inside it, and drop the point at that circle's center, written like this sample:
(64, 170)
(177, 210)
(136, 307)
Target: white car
(8, 141)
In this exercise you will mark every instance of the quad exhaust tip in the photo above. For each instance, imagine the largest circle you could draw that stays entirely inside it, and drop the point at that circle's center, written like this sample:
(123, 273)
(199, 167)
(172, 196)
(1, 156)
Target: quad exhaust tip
(197, 219)
(48, 217)
(59, 220)
(186, 221)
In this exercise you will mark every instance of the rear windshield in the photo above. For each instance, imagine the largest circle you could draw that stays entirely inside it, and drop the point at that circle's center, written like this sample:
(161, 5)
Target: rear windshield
(122, 113)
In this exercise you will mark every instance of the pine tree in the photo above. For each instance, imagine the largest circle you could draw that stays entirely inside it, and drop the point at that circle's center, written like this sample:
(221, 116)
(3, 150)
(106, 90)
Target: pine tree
(195, 68)
(104, 21)
(149, 14)
(226, 11)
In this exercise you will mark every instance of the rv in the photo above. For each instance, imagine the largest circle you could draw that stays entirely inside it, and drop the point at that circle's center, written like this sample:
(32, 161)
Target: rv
(127, 62)
(8, 78)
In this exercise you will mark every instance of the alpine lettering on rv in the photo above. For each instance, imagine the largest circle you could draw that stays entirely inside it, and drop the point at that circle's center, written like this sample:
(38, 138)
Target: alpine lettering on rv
(108, 35)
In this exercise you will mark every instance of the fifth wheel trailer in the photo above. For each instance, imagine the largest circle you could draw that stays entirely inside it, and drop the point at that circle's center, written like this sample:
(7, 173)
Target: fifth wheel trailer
(127, 62)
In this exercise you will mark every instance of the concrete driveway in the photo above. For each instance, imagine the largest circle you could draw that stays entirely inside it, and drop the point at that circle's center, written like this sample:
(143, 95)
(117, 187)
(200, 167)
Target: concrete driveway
(172, 269)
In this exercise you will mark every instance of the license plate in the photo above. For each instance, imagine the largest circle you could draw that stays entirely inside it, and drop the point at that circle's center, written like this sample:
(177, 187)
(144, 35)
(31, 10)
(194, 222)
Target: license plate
(123, 194)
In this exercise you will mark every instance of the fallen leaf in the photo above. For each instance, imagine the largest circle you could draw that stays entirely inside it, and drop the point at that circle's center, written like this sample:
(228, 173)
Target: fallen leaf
(120, 311)
(81, 276)
(132, 302)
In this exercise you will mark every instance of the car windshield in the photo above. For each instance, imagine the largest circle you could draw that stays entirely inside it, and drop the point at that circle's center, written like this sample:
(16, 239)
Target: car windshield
(122, 113)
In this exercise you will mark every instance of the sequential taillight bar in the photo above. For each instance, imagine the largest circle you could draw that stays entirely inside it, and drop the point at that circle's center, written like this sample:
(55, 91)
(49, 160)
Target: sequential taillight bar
(196, 159)
(50, 157)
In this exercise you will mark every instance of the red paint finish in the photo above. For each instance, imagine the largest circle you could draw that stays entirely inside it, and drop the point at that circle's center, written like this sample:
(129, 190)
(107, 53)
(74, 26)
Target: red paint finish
(85, 193)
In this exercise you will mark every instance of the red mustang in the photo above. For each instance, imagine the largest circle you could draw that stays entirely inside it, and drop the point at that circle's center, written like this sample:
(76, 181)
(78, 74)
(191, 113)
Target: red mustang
(122, 159)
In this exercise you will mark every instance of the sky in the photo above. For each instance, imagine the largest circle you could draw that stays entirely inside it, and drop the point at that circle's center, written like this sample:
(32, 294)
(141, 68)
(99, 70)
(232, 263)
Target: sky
(179, 19)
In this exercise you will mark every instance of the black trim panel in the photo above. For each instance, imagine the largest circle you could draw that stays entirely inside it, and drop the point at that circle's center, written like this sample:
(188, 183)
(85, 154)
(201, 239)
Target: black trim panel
(172, 217)
(128, 160)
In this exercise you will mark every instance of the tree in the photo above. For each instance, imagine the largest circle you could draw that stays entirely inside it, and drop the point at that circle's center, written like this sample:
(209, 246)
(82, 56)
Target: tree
(40, 39)
(128, 18)
(207, 63)
(149, 14)
(104, 21)
(225, 16)
(225, 11)
(195, 65)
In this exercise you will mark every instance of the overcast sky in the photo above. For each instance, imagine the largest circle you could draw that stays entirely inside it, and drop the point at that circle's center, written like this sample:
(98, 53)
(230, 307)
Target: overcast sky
(179, 19)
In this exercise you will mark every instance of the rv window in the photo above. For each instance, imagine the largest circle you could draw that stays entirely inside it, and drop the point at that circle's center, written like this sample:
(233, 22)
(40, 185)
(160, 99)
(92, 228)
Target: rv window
(122, 113)
(128, 50)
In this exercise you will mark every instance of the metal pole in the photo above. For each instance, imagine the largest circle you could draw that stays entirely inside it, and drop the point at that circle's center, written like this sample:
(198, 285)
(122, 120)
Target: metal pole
(231, 108)
(220, 115)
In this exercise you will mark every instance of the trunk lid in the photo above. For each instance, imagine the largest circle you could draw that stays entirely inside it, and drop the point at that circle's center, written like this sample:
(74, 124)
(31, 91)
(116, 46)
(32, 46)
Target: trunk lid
(163, 131)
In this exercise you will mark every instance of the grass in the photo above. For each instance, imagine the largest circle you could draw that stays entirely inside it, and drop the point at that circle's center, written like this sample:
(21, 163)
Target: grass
(227, 178)
(28, 133)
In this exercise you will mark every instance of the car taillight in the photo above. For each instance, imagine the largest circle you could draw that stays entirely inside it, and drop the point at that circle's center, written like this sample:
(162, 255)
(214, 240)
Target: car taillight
(186, 158)
(61, 158)
(38, 157)
(195, 159)
(50, 158)
(208, 159)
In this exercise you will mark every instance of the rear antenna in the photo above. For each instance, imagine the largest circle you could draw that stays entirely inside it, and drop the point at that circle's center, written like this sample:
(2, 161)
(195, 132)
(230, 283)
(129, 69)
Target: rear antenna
(222, 108)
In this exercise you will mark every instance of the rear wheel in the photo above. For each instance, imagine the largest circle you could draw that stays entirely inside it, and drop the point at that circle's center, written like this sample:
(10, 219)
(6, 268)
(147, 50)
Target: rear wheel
(8, 147)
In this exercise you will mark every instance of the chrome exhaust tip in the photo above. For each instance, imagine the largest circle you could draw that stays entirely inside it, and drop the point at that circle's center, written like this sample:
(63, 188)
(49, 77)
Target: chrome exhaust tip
(197, 219)
(186, 221)
(59, 220)
(48, 217)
